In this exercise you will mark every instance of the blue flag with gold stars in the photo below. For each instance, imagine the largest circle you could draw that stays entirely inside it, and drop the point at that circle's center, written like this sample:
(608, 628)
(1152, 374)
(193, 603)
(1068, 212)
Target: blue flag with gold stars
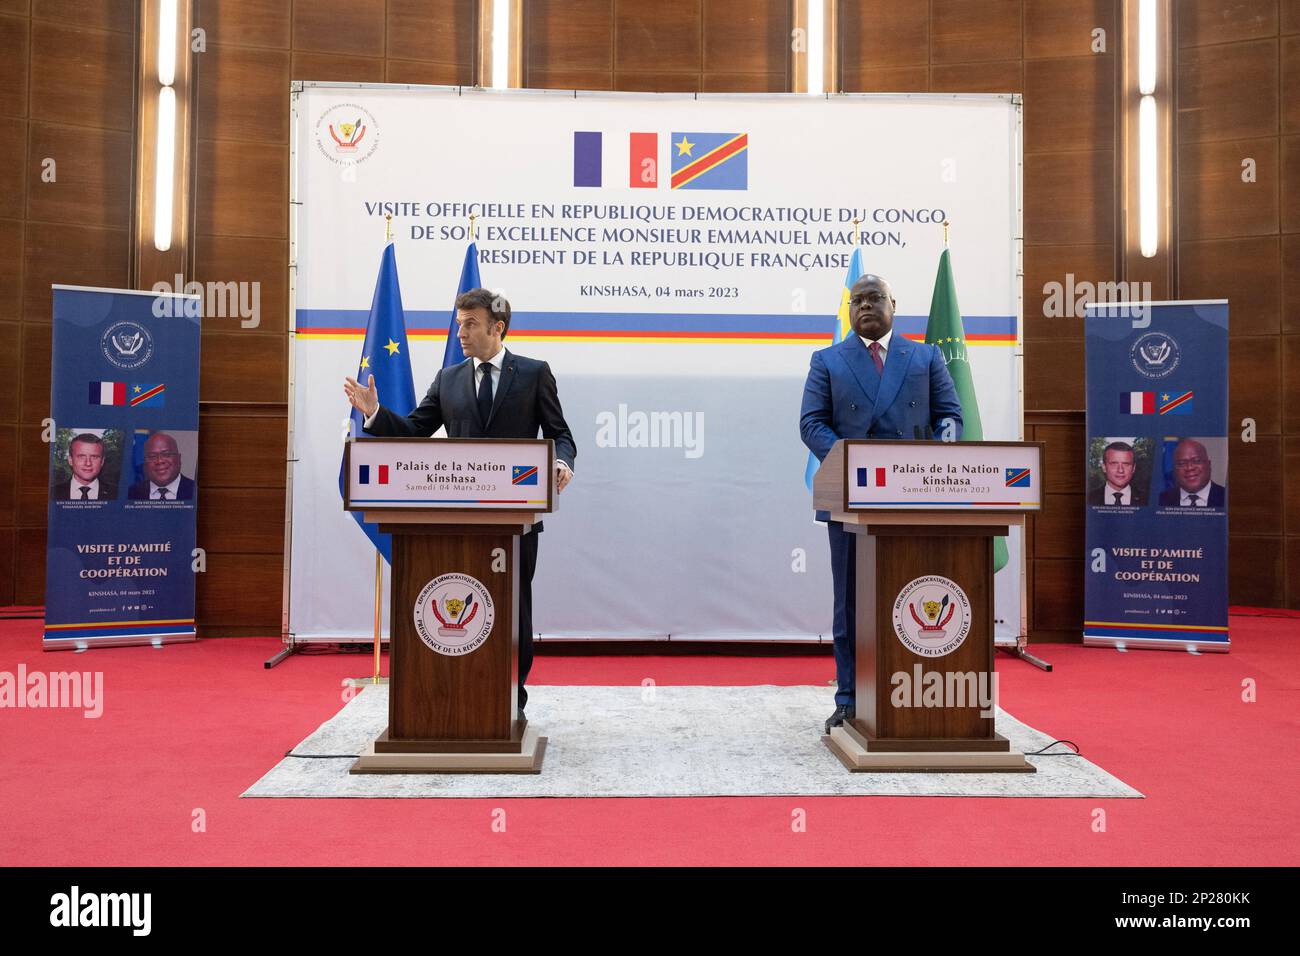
(385, 356)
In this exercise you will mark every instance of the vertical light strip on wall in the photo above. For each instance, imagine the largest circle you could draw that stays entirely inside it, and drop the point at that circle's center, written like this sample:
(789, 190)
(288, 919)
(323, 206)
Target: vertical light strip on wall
(1148, 132)
(816, 39)
(165, 165)
(501, 43)
(164, 170)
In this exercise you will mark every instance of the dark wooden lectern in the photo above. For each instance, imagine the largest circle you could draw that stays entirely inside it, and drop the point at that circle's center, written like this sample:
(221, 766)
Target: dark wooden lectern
(453, 680)
(923, 567)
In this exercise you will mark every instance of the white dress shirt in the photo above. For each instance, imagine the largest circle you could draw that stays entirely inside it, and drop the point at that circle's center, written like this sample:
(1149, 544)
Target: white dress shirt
(77, 484)
(171, 487)
(884, 344)
(1125, 493)
(1202, 497)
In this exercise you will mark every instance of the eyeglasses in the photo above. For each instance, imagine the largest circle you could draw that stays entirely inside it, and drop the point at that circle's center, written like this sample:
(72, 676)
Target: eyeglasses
(162, 455)
(875, 298)
(1192, 463)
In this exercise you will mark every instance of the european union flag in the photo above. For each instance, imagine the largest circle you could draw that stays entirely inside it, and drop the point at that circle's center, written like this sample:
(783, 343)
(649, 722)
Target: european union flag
(710, 161)
(453, 354)
(385, 355)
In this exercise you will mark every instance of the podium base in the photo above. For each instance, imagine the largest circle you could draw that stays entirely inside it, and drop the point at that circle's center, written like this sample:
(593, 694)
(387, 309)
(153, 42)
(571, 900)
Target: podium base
(528, 759)
(858, 755)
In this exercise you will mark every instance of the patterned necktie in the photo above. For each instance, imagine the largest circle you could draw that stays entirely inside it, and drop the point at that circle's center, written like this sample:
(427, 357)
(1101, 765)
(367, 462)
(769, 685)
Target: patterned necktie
(875, 357)
(162, 494)
(1119, 495)
(85, 492)
(1194, 501)
(485, 394)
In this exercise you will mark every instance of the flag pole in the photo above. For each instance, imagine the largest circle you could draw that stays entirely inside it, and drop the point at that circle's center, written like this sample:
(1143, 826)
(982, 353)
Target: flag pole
(379, 608)
(379, 558)
(857, 234)
(945, 233)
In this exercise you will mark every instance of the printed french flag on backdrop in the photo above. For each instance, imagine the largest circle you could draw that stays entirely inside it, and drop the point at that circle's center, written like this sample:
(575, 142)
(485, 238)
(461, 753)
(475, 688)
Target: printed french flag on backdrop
(589, 159)
(108, 393)
(380, 475)
(1137, 403)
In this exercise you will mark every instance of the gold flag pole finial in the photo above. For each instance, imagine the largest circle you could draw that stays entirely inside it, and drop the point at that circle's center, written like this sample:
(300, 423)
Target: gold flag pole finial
(473, 230)
(945, 233)
(388, 227)
(857, 234)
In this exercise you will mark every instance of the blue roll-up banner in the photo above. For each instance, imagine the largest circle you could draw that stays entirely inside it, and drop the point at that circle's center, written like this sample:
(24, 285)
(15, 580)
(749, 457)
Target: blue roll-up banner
(124, 398)
(1157, 475)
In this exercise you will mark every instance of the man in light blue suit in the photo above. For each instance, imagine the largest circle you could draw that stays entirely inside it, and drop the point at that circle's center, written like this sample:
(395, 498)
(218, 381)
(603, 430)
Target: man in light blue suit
(871, 385)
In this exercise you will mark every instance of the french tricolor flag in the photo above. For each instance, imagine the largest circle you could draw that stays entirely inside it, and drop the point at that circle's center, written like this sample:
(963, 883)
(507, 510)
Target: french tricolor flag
(1137, 403)
(381, 474)
(108, 393)
(871, 477)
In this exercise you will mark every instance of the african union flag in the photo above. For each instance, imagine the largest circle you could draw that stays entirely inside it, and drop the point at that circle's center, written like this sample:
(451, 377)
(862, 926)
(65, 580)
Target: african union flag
(710, 160)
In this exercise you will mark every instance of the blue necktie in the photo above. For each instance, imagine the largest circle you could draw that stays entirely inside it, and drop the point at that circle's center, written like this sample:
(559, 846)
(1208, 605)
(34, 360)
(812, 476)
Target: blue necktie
(485, 394)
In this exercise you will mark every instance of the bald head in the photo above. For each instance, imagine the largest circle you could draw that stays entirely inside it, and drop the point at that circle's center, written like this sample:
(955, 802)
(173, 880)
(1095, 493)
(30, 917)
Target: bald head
(871, 307)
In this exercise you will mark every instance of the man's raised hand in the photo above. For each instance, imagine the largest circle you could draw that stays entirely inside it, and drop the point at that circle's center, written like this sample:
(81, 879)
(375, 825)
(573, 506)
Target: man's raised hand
(364, 399)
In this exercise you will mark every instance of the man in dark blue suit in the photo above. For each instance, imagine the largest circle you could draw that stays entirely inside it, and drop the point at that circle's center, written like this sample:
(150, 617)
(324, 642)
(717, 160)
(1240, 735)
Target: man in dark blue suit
(492, 394)
(1192, 485)
(871, 385)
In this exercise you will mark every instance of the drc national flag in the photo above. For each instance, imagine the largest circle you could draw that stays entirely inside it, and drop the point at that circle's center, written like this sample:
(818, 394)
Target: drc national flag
(1018, 477)
(837, 336)
(147, 396)
(385, 355)
(1175, 403)
(710, 160)
(523, 475)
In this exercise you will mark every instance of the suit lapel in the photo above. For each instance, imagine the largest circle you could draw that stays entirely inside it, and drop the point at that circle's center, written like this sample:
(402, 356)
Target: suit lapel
(858, 359)
(466, 369)
(503, 386)
(897, 359)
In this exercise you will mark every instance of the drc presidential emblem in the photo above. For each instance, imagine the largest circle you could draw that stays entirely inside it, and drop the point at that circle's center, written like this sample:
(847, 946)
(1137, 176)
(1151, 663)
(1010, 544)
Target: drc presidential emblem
(932, 616)
(453, 614)
(1155, 355)
(127, 344)
(347, 134)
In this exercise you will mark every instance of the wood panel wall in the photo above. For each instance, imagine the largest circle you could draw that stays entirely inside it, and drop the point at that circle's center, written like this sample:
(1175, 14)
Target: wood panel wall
(64, 91)
(1238, 100)
(65, 96)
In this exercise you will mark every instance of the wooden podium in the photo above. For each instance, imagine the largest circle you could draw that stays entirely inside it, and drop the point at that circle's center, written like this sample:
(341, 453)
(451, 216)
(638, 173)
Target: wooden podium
(455, 509)
(925, 515)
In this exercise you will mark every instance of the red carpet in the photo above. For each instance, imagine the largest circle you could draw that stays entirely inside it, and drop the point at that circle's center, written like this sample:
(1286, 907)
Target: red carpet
(189, 727)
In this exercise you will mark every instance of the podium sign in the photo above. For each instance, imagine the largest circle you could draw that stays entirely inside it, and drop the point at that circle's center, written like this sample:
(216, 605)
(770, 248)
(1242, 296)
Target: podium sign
(989, 476)
(455, 509)
(449, 474)
(925, 515)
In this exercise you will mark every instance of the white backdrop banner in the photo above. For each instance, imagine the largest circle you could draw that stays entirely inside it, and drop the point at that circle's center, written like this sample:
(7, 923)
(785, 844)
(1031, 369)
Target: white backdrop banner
(676, 259)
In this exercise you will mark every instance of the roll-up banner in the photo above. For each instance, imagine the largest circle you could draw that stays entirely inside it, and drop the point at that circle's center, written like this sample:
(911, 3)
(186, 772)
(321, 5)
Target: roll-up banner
(123, 489)
(1156, 473)
(676, 259)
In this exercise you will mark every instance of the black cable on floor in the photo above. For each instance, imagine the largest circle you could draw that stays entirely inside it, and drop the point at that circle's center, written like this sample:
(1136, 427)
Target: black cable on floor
(1068, 743)
(323, 756)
